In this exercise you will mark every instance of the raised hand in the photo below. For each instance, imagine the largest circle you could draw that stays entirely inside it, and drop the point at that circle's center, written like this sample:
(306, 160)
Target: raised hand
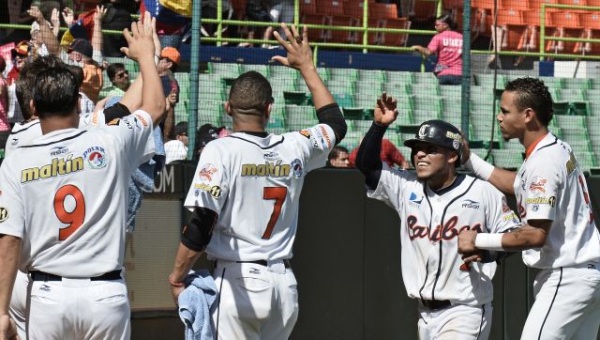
(385, 110)
(139, 40)
(299, 54)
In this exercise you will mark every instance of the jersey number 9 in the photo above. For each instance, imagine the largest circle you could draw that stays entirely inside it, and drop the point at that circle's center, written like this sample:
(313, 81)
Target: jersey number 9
(73, 217)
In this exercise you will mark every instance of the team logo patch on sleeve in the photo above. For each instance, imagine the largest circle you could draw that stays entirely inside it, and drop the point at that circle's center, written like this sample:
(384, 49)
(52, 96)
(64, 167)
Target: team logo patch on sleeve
(297, 168)
(114, 122)
(3, 214)
(538, 185)
(206, 172)
(305, 133)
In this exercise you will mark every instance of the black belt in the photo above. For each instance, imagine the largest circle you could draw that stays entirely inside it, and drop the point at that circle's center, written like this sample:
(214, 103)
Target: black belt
(435, 304)
(265, 263)
(41, 276)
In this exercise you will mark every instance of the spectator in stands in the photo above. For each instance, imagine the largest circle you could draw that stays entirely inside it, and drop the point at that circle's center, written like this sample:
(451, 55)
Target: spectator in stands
(119, 78)
(86, 105)
(338, 157)
(118, 17)
(177, 148)
(45, 28)
(19, 56)
(205, 134)
(447, 46)
(209, 10)
(167, 64)
(4, 125)
(89, 57)
(389, 154)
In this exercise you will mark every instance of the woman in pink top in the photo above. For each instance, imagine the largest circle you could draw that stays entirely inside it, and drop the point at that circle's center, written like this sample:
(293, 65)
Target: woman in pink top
(447, 45)
(4, 125)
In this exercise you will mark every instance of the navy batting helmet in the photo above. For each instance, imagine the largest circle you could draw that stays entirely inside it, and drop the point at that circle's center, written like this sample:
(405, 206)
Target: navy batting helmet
(440, 133)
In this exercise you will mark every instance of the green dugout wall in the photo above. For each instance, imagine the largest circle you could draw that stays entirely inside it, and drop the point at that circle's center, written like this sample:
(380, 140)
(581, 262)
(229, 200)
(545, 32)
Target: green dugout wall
(346, 260)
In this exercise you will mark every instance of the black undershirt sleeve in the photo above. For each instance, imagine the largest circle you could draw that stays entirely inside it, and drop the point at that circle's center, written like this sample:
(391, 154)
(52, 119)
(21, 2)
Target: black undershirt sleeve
(198, 231)
(368, 159)
(331, 115)
(116, 111)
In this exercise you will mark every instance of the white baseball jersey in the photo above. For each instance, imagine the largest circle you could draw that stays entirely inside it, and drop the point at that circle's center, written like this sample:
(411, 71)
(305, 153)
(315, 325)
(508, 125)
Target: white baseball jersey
(254, 185)
(22, 133)
(551, 186)
(430, 224)
(78, 180)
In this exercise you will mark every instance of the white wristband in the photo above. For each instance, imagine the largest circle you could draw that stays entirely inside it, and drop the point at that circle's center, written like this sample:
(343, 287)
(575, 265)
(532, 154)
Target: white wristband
(489, 241)
(481, 168)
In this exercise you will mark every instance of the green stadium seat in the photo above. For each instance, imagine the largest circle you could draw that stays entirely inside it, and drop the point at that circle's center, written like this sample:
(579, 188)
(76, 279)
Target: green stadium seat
(451, 91)
(299, 117)
(344, 99)
(570, 122)
(353, 113)
(577, 83)
(225, 70)
(397, 89)
(262, 69)
(553, 82)
(343, 74)
(514, 145)
(295, 98)
(366, 101)
(340, 86)
(369, 87)
(586, 160)
(399, 77)
(424, 102)
(362, 126)
(424, 78)
(212, 93)
(570, 95)
(487, 81)
(376, 76)
(282, 72)
(210, 112)
(323, 73)
(508, 159)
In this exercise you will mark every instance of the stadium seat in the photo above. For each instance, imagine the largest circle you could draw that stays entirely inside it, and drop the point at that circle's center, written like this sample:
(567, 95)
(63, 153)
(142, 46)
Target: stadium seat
(282, 72)
(393, 38)
(225, 70)
(383, 11)
(574, 3)
(262, 69)
(570, 95)
(487, 81)
(371, 75)
(343, 74)
(282, 84)
(586, 160)
(340, 86)
(578, 83)
(370, 86)
(508, 159)
(571, 122)
(429, 102)
(298, 117)
(399, 77)
(567, 25)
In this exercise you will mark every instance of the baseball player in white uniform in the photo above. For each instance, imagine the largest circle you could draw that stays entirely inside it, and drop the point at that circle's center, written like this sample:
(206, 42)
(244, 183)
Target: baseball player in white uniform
(559, 235)
(252, 242)
(71, 241)
(434, 204)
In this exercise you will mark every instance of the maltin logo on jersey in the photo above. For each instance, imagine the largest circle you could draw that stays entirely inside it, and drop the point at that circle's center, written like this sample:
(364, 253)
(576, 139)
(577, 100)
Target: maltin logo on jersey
(96, 157)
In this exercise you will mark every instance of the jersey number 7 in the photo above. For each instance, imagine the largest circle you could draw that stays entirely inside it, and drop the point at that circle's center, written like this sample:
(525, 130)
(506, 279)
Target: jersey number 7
(74, 217)
(278, 194)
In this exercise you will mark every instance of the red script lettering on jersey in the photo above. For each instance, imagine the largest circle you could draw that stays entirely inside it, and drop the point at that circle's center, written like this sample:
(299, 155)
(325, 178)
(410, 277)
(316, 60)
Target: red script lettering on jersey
(447, 232)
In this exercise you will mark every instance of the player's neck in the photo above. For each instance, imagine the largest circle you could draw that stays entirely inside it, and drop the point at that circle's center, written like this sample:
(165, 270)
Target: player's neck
(439, 184)
(56, 123)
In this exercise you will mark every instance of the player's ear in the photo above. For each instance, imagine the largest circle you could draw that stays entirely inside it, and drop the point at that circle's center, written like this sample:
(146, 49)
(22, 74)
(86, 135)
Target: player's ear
(529, 115)
(453, 157)
(228, 108)
(32, 108)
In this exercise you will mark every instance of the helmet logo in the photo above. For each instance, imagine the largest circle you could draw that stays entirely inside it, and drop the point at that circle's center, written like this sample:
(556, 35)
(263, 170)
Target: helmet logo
(423, 131)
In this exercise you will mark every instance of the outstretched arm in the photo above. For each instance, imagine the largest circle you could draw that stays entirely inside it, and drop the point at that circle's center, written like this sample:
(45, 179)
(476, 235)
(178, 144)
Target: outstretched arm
(502, 179)
(141, 48)
(299, 56)
(368, 159)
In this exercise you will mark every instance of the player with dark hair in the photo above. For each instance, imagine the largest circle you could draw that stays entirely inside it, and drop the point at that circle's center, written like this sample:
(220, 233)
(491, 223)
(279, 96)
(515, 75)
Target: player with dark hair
(434, 204)
(72, 243)
(558, 235)
(338, 157)
(251, 244)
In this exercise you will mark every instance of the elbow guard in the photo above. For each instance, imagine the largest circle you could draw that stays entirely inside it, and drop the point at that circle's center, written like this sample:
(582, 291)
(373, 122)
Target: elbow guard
(197, 233)
(332, 115)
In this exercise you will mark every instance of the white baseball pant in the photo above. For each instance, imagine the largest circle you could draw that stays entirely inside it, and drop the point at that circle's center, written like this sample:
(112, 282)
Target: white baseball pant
(255, 302)
(567, 304)
(458, 322)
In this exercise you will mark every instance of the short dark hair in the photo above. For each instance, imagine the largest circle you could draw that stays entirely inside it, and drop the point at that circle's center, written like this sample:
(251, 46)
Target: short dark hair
(250, 93)
(55, 92)
(447, 19)
(26, 81)
(113, 69)
(181, 128)
(336, 151)
(77, 72)
(532, 93)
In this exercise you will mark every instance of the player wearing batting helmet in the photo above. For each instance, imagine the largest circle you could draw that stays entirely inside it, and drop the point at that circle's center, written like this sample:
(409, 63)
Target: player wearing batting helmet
(559, 235)
(434, 204)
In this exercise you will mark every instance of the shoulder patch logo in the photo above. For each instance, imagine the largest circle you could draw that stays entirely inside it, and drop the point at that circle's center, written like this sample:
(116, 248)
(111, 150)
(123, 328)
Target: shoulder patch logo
(305, 133)
(3, 214)
(96, 157)
(414, 198)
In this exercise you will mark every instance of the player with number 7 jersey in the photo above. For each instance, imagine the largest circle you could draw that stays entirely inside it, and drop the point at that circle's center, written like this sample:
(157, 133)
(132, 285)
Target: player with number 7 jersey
(244, 200)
